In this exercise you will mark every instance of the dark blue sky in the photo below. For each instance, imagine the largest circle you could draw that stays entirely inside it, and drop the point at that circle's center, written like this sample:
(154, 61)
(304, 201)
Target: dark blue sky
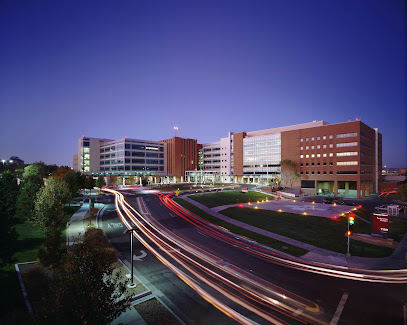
(138, 68)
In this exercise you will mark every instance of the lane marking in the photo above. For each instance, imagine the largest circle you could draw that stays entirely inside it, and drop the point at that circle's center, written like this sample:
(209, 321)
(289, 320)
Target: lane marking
(339, 309)
(171, 215)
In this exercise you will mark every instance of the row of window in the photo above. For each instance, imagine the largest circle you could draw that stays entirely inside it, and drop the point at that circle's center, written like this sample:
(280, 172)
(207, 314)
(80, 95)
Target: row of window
(324, 146)
(133, 161)
(338, 136)
(132, 168)
(351, 172)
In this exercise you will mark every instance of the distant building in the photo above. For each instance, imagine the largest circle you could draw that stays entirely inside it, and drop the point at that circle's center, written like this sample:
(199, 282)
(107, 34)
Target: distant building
(13, 161)
(120, 157)
(340, 159)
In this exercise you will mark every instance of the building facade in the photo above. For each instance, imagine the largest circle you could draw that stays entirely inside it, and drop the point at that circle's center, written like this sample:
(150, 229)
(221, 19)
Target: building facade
(121, 157)
(182, 155)
(341, 159)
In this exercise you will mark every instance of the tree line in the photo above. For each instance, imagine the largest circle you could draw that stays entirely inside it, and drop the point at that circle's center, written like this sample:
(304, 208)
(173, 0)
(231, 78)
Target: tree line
(82, 288)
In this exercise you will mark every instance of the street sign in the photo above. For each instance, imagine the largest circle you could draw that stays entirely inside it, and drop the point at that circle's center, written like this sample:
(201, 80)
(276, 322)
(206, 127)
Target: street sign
(245, 189)
(380, 224)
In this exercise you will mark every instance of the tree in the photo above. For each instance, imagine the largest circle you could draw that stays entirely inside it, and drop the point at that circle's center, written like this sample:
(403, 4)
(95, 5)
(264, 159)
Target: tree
(75, 182)
(111, 179)
(8, 235)
(87, 290)
(289, 173)
(62, 172)
(27, 197)
(90, 183)
(36, 169)
(402, 192)
(100, 182)
(49, 216)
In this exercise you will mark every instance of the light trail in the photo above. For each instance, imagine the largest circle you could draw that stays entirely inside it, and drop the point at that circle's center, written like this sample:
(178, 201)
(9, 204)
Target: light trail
(383, 276)
(287, 302)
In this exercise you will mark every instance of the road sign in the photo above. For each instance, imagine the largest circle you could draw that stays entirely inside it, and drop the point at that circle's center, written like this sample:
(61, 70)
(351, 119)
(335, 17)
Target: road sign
(245, 189)
(380, 224)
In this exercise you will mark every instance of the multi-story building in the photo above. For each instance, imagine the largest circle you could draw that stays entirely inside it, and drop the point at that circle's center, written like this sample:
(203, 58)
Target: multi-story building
(123, 156)
(344, 159)
(182, 155)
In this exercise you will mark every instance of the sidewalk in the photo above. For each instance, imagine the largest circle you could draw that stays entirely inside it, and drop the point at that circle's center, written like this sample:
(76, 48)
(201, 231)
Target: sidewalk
(395, 261)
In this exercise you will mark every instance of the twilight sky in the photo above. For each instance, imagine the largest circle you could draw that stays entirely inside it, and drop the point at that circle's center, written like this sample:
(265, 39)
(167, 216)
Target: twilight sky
(136, 68)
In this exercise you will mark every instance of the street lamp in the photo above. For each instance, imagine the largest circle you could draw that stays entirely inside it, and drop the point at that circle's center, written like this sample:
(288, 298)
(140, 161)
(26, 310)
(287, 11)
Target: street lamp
(4, 163)
(132, 284)
(176, 130)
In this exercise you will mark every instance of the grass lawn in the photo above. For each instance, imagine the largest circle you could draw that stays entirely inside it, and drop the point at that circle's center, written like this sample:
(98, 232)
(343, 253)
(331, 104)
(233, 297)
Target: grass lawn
(29, 242)
(230, 197)
(276, 244)
(320, 232)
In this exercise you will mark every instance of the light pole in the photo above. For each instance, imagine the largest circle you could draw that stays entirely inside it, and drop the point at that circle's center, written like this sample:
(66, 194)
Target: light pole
(176, 130)
(4, 163)
(132, 284)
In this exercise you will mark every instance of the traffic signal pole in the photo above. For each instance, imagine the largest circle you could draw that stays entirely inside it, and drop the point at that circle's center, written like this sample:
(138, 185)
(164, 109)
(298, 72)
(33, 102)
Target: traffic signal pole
(347, 252)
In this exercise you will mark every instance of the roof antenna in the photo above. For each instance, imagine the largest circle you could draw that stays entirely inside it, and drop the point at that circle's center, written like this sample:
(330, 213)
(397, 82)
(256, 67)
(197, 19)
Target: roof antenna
(349, 119)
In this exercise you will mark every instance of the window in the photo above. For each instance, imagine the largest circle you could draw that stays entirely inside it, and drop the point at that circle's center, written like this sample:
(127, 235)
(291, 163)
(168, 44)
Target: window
(347, 163)
(346, 135)
(306, 139)
(324, 155)
(331, 164)
(301, 140)
(318, 155)
(301, 148)
(301, 156)
(307, 164)
(346, 144)
(331, 145)
(324, 146)
(331, 137)
(312, 173)
(127, 146)
(318, 147)
(319, 164)
(318, 138)
(330, 173)
(312, 147)
(331, 154)
(351, 172)
(306, 156)
(324, 163)
(342, 154)
(312, 156)
(312, 139)
(319, 173)
(324, 137)
(302, 165)
(307, 148)
(324, 173)
(312, 164)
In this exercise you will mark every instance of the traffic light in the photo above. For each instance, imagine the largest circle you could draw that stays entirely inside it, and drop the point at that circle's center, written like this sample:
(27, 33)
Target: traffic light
(351, 221)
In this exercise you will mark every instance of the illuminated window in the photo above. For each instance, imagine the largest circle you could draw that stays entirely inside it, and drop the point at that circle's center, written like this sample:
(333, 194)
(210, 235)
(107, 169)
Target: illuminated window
(312, 147)
(307, 148)
(312, 156)
(306, 139)
(324, 146)
(306, 156)
(331, 154)
(318, 138)
(318, 155)
(301, 156)
(331, 146)
(341, 154)
(318, 147)
(301, 148)
(324, 137)
(346, 144)
(346, 135)
(347, 163)
(312, 139)
(331, 137)
(301, 140)
(324, 155)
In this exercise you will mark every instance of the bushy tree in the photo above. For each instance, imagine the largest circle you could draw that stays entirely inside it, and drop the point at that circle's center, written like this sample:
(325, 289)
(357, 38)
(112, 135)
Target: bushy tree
(289, 172)
(75, 181)
(111, 180)
(27, 197)
(100, 182)
(87, 290)
(8, 198)
(49, 216)
(62, 172)
(36, 169)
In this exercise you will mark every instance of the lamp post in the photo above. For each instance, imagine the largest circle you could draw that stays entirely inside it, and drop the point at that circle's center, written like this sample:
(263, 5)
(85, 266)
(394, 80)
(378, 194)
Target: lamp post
(176, 130)
(132, 284)
(4, 163)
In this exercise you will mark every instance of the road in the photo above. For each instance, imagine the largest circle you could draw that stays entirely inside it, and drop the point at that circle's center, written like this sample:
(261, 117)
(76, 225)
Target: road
(340, 300)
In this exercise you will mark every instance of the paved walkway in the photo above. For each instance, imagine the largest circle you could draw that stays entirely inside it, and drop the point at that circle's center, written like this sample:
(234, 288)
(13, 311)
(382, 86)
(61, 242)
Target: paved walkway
(396, 260)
